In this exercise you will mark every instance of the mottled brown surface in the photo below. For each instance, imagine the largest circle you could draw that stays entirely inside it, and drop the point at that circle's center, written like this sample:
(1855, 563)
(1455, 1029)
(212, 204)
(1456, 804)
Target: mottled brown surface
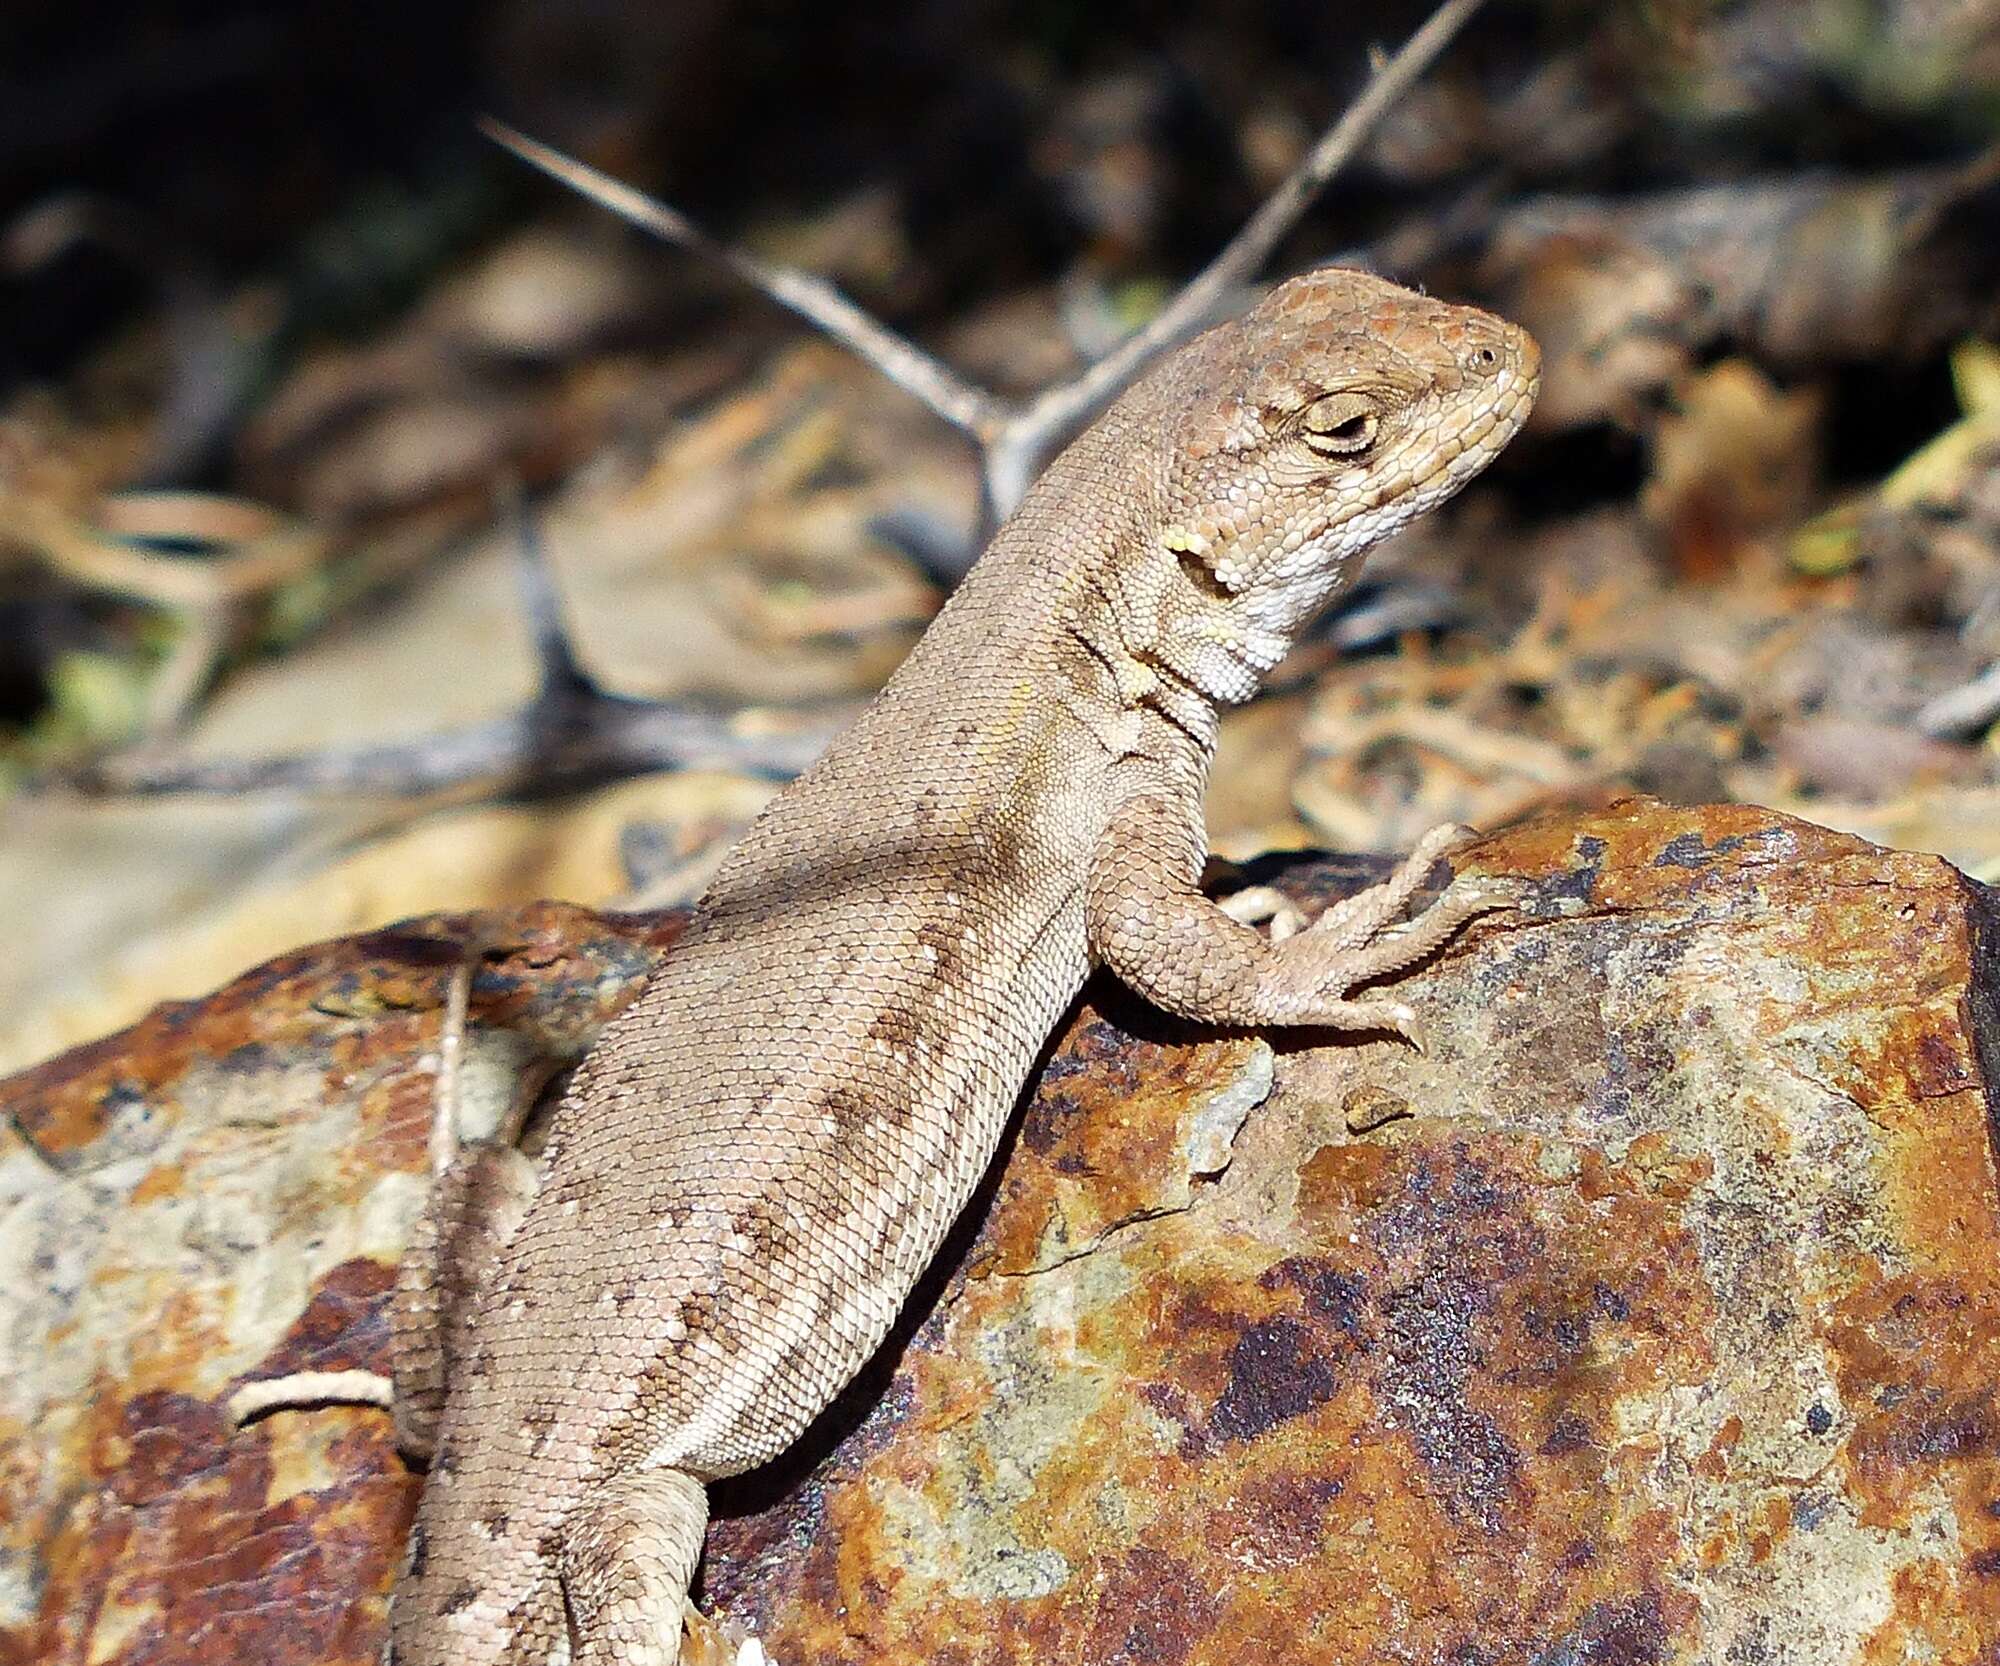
(1654, 1320)
(1650, 1317)
(222, 1191)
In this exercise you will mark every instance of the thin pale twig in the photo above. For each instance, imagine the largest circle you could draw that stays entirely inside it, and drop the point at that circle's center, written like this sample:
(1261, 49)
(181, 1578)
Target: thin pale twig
(263, 1395)
(451, 1060)
(1965, 710)
(814, 299)
(1244, 255)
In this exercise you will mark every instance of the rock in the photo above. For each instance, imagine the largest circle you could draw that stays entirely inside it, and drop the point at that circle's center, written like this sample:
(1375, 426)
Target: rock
(219, 1191)
(1653, 1315)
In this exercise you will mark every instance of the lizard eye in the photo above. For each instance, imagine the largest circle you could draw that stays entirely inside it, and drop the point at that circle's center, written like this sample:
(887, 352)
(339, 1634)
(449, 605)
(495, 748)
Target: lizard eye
(1340, 425)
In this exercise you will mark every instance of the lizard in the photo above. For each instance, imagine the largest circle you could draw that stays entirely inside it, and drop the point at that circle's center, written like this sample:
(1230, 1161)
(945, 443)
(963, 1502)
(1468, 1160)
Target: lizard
(746, 1176)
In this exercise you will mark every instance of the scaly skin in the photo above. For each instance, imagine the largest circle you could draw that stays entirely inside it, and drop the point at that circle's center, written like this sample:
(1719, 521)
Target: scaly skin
(763, 1152)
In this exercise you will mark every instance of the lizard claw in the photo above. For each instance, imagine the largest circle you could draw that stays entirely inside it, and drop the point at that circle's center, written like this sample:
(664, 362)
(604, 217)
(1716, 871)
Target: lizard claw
(1374, 1013)
(1477, 894)
(1404, 1021)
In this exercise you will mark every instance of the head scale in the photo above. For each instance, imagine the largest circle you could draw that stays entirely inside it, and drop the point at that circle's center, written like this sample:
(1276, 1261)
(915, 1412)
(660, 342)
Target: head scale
(1338, 409)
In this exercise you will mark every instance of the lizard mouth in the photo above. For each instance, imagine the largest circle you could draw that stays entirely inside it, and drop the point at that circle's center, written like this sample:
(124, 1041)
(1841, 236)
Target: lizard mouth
(1496, 420)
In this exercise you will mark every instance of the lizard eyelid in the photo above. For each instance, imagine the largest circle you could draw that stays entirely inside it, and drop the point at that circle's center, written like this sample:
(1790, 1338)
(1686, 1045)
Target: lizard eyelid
(1341, 424)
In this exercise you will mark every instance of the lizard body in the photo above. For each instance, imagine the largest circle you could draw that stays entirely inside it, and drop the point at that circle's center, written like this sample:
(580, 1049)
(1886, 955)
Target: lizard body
(757, 1161)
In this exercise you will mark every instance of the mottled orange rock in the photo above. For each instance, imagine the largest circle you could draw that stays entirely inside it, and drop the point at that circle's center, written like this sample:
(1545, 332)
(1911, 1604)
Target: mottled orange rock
(222, 1191)
(1652, 1315)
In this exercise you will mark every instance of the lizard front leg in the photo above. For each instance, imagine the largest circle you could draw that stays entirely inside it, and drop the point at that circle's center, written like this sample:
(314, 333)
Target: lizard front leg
(1148, 921)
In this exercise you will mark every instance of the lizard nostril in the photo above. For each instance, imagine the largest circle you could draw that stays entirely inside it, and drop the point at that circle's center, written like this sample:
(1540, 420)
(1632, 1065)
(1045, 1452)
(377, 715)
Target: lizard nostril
(1486, 358)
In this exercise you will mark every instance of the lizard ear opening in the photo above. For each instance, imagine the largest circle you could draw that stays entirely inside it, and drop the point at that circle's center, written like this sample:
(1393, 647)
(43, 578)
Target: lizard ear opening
(1341, 424)
(1192, 551)
(1202, 576)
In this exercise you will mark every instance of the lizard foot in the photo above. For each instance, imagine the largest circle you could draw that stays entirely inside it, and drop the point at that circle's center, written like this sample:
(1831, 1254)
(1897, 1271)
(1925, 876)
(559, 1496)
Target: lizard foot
(1360, 940)
(1366, 922)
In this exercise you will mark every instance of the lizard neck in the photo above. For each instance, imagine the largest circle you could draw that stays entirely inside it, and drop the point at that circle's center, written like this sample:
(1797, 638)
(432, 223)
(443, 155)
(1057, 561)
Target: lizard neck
(1139, 620)
(1156, 630)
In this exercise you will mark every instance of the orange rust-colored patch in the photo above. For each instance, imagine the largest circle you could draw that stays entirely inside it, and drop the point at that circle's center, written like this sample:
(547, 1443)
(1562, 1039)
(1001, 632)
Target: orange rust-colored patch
(1918, 1362)
(1255, 1409)
(1772, 1527)
(1108, 1134)
(1942, 1613)
(310, 995)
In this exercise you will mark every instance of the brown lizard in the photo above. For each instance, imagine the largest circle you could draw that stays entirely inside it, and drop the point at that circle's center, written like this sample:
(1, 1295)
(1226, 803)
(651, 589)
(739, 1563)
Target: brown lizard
(748, 1174)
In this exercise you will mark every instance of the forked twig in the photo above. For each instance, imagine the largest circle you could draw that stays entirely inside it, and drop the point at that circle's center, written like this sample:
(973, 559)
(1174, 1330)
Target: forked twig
(813, 298)
(1015, 438)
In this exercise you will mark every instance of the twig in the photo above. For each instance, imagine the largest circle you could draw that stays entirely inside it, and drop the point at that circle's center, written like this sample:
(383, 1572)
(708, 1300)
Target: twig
(249, 551)
(621, 737)
(451, 1058)
(263, 1395)
(815, 300)
(1015, 439)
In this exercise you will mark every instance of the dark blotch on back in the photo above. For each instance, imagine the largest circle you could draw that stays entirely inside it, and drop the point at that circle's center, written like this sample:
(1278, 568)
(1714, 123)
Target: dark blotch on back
(771, 1239)
(461, 1597)
(797, 1360)
(852, 1108)
(910, 1024)
(1013, 858)
(540, 1422)
(849, 1108)
(947, 943)
(704, 1315)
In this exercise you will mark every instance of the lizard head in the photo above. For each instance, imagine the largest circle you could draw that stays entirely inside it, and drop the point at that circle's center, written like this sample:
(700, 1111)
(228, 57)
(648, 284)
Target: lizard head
(1337, 410)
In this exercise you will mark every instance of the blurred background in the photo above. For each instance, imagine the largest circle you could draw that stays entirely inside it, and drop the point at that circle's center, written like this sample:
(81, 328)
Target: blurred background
(277, 323)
